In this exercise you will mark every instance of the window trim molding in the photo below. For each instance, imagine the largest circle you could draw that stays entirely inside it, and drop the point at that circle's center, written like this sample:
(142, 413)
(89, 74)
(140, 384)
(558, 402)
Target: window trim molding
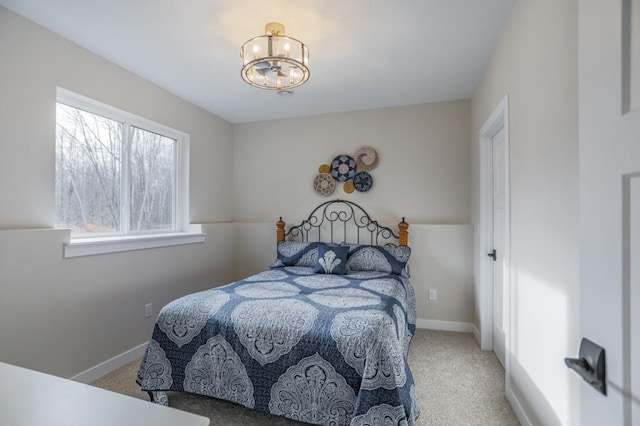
(183, 233)
(102, 245)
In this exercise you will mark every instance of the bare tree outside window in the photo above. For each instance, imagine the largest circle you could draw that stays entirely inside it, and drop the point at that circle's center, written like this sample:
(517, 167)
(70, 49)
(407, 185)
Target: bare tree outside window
(152, 177)
(88, 171)
(112, 177)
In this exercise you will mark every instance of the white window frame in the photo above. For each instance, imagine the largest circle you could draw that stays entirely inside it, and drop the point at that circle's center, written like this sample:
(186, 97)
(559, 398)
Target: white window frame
(181, 233)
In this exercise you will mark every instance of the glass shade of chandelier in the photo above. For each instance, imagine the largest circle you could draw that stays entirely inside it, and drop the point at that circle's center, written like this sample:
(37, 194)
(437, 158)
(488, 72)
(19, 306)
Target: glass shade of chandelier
(274, 61)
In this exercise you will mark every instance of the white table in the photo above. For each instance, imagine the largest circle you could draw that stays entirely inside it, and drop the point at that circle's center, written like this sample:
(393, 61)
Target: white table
(30, 398)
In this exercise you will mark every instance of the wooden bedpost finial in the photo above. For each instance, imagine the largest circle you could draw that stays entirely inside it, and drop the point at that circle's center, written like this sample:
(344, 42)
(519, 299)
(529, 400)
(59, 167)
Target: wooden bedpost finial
(403, 240)
(280, 232)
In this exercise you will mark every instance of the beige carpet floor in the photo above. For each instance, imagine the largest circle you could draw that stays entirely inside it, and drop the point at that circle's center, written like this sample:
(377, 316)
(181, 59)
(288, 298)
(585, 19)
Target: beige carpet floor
(457, 384)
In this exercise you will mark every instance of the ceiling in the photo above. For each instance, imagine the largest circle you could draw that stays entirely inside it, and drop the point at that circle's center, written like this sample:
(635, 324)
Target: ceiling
(363, 53)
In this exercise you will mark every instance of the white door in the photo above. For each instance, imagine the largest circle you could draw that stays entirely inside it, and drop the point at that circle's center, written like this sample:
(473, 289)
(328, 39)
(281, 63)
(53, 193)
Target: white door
(499, 209)
(609, 124)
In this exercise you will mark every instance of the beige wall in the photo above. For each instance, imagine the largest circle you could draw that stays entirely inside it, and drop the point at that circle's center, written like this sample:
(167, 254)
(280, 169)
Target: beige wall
(423, 175)
(63, 316)
(535, 62)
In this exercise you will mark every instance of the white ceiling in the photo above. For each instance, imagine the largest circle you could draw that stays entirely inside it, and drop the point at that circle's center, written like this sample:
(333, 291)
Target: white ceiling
(363, 53)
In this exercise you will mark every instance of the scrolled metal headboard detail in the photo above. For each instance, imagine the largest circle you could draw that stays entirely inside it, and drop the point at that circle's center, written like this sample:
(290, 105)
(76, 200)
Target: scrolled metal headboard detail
(345, 220)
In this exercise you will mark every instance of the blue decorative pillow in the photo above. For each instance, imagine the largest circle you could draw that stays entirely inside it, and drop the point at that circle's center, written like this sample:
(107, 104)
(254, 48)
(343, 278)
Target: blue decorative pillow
(331, 260)
(389, 259)
(295, 253)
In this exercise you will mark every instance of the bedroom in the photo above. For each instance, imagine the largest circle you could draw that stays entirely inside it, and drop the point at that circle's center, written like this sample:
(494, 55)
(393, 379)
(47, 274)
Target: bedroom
(66, 305)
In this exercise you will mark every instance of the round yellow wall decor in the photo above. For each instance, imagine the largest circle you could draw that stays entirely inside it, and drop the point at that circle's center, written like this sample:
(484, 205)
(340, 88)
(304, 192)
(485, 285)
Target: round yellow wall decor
(348, 187)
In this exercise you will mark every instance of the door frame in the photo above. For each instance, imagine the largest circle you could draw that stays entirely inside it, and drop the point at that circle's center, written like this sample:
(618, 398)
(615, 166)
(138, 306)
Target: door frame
(484, 274)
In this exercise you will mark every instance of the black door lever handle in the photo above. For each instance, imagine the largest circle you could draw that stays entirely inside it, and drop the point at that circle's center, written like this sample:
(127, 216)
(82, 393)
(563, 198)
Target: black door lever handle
(493, 254)
(590, 365)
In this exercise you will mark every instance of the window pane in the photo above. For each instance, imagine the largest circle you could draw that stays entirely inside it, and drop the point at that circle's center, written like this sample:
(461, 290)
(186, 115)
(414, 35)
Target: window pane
(88, 161)
(153, 162)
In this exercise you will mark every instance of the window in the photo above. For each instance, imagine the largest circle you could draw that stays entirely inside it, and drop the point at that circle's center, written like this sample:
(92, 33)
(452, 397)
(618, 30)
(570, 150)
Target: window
(119, 177)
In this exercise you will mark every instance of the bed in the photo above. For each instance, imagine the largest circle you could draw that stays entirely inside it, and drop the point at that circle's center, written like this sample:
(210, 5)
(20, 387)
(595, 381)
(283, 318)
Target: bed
(321, 337)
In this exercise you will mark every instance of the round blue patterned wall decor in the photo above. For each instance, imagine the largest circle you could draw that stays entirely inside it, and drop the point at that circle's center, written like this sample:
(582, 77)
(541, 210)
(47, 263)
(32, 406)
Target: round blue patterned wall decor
(362, 181)
(343, 168)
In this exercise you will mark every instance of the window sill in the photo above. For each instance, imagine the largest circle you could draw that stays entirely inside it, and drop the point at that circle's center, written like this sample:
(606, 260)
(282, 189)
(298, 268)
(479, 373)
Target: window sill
(92, 246)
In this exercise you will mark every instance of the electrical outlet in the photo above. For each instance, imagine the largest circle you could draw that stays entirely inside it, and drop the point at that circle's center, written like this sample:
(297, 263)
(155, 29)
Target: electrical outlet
(433, 294)
(148, 310)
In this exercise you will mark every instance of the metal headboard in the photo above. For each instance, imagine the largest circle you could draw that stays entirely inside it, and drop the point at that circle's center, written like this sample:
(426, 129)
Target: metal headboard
(343, 221)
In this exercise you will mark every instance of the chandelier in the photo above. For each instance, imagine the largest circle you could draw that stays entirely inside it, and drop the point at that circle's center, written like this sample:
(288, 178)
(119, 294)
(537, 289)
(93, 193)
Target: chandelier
(274, 61)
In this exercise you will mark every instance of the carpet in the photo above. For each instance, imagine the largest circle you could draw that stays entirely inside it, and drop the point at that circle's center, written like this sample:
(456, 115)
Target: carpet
(457, 384)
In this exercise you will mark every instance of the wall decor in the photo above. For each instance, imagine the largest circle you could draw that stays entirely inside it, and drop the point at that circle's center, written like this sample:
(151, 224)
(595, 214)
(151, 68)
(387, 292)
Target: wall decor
(343, 168)
(348, 187)
(351, 171)
(366, 158)
(324, 184)
(362, 181)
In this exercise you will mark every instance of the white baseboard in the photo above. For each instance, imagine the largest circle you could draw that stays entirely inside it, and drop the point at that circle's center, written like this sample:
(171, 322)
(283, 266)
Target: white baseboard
(110, 365)
(476, 333)
(465, 327)
(521, 415)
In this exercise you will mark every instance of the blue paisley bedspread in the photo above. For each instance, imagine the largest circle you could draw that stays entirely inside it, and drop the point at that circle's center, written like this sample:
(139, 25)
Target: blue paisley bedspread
(318, 348)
